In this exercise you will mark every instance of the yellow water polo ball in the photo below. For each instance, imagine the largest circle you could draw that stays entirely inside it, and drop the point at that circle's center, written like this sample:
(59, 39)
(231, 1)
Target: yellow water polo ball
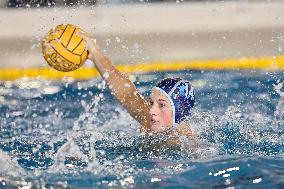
(63, 49)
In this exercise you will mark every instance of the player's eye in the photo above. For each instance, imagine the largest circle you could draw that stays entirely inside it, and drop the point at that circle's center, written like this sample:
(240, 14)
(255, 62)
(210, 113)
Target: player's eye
(162, 105)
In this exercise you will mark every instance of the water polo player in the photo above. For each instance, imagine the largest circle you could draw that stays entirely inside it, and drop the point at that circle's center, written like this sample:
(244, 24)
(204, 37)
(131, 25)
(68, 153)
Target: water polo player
(170, 101)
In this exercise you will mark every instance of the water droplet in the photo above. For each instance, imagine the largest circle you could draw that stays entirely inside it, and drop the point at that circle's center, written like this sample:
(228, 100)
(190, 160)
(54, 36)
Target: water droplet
(117, 39)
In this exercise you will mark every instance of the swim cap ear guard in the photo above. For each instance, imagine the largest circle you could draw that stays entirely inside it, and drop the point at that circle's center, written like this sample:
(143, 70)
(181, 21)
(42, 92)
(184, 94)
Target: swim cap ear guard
(181, 96)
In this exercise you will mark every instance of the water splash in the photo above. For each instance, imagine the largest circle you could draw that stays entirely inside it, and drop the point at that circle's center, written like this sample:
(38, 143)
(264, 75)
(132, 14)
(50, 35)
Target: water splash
(81, 133)
(279, 112)
(236, 133)
(10, 167)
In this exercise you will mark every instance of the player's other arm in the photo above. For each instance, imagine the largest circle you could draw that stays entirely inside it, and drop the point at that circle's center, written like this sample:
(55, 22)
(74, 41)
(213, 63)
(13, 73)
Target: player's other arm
(121, 87)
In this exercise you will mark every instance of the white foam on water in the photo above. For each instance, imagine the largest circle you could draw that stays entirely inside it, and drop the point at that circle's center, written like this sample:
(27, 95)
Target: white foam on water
(84, 126)
(10, 167)
(280, 105)
(123, 122)
(71, 149)
(255, 128)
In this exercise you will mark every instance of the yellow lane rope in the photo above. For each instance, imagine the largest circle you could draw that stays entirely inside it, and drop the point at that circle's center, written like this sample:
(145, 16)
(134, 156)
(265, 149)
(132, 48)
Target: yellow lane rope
(265, 63)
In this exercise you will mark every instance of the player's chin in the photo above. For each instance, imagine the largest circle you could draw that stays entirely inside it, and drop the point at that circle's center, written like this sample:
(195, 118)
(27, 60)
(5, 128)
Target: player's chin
(157, 128)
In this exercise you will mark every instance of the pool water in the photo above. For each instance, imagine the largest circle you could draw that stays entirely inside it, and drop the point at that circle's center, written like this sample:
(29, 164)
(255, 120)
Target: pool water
(74, 134)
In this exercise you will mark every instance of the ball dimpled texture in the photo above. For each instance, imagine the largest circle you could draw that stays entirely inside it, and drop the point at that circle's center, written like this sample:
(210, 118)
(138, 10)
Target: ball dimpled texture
(63, 49)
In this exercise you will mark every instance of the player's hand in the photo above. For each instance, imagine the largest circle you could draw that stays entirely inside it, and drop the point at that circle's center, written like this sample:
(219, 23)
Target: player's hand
(90, 42)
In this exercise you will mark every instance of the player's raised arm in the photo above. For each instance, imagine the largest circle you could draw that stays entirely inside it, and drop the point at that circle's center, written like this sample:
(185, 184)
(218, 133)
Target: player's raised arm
(121, 87)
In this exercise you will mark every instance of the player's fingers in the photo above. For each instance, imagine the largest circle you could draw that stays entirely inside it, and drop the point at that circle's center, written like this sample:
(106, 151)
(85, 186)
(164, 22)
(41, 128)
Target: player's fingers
(85, 35)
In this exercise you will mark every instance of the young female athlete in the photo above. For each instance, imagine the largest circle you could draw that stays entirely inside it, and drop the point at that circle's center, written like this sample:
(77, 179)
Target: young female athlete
(169, 104)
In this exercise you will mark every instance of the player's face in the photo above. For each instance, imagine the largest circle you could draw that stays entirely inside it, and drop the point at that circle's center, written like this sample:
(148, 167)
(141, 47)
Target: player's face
(161, 116)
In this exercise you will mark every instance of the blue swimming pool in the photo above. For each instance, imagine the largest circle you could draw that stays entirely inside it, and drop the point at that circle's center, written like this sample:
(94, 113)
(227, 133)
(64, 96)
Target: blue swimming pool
(73, 134)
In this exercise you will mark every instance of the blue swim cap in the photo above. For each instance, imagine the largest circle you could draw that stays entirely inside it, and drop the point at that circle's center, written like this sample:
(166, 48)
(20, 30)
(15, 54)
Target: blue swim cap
(181, 96)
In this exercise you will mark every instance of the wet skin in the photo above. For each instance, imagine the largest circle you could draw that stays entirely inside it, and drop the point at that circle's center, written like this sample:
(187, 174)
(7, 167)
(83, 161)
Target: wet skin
(160, 114)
